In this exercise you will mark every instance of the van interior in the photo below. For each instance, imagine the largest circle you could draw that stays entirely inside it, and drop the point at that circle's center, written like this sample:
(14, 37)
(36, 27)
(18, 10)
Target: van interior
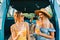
(26, 7)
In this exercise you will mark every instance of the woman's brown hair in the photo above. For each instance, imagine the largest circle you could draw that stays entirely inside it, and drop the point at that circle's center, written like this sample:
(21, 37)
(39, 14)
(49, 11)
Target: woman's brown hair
(18, 14)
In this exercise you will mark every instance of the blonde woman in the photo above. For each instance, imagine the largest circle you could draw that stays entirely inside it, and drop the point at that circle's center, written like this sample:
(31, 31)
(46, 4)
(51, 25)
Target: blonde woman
(44, 28)
(19, 30)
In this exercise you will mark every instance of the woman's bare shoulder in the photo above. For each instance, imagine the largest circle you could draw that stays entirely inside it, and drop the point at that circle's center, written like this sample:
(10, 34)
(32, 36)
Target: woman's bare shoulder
(12, 26)
(26, 23)
(51, 25)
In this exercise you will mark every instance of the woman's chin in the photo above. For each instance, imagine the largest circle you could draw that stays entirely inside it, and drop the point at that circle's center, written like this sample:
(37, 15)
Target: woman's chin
(41, 17)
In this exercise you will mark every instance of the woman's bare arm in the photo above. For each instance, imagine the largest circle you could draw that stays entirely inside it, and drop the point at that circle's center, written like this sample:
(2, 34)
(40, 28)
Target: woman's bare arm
(12, 32)
(14, 35)
(47, 36)
(28, 34)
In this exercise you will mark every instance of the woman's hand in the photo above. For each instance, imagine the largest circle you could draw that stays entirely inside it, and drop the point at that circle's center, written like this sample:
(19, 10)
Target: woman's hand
(38, 32)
